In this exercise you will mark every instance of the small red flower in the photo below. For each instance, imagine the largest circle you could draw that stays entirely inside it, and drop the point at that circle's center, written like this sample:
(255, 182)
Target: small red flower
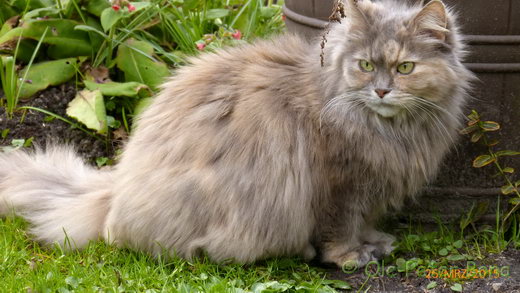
(237, 35)
(131, 7)
(116, 7)
(283, 17)
(201, 46)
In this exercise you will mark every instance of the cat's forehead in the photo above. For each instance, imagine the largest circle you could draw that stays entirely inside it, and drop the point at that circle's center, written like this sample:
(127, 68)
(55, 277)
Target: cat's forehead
(389, 41)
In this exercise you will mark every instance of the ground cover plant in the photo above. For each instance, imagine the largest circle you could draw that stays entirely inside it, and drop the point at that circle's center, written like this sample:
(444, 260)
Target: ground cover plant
(109, 58)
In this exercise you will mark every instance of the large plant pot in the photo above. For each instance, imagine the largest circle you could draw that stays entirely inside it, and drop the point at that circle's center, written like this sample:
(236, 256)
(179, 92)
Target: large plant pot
(492, 29)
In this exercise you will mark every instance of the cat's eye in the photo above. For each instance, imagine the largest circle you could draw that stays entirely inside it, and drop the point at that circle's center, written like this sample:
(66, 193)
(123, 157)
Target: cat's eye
(406, 67)
(366, 66)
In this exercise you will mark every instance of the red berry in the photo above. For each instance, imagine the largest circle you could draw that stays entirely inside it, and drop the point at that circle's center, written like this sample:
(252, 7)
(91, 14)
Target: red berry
(201, 46)
(116, 7)
(131, 7)
(237, 35)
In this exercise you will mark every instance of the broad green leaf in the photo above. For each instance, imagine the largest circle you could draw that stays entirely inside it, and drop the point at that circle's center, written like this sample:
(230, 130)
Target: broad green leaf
(96, 7)
(109, 18)
(490, 126)
(190, 4)
(217, 13)
(44, 74)
(128, 89)
(8, 25)
(443, 252)
(514, 201)
(88, 107)
(456, 287)
(431, 285)
(458, 244)
(507, 189)
(64, 41)
(136, 59)
(482, 161)
(338, 284)
(41, 12)
(507, 153)
(142, 105)
(268, 12)
(456, 257)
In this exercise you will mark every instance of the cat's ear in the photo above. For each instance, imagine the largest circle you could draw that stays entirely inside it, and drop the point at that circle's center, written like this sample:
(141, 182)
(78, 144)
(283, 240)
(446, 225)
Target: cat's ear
(432, 20)
(354, 13)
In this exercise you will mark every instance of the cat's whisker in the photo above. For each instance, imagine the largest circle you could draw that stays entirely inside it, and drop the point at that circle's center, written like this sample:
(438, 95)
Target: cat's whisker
(437, 122)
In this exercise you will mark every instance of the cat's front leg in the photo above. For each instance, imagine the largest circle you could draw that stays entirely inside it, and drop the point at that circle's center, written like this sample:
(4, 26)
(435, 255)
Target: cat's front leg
(383, 242)
(342, 242)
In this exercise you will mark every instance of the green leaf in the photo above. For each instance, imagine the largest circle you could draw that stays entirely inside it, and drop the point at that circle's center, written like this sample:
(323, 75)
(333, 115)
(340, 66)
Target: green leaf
(109, 17)
(456, 257)
(401, 264)
(474, 115)
(476, 136)
(101, 161)
(136, 59)
(28, 142)
(96, 7)
(217, 13)
(483, 160)
(456, 287)
(268, 12)
(507, 153)
(8, 25)
(88, 107)
(128, 89)
(5, 132)
(72, 281)
(443, 252)
(64, 41)
(514, 201)
(458, 244)
(44, 74)
(507, 189)
(469, 129)
(431, 285)
(142, 105)
(490, 126)
(508, 170)
(88, 28)
(337, 284)
(18, 142)
(41, 12)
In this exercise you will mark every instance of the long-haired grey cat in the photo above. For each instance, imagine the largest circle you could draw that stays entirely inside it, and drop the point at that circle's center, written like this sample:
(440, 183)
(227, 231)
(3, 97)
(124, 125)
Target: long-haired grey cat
(259, 151)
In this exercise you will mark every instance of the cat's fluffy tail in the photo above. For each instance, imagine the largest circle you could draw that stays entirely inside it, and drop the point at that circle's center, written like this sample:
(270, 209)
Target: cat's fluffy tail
(64, 200)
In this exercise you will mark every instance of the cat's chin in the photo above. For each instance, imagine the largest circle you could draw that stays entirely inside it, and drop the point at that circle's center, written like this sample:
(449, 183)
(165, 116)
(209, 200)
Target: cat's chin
(385, 110)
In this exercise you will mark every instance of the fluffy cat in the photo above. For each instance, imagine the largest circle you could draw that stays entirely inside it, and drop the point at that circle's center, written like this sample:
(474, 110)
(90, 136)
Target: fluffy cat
(259, 151)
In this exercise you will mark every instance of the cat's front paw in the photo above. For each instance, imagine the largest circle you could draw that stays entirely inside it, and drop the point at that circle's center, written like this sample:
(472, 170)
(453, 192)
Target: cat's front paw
(350, 258)
(383, 242)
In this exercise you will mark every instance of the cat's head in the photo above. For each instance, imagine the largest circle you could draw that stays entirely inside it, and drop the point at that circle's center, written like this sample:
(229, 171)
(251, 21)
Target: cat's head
(396, 59)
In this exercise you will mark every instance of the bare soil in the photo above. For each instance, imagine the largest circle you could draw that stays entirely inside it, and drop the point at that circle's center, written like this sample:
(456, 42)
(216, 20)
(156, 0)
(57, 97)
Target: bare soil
(506, 278)
(35, 124)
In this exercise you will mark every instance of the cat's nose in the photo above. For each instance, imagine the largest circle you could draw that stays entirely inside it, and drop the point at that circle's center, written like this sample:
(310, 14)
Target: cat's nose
(382, 92)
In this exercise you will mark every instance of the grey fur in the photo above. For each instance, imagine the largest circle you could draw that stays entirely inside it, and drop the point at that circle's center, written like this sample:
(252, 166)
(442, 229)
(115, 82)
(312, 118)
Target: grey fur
(258, 151)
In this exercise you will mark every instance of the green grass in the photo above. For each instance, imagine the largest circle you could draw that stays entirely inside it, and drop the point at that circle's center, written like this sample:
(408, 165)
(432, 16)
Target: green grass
(25, 265)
